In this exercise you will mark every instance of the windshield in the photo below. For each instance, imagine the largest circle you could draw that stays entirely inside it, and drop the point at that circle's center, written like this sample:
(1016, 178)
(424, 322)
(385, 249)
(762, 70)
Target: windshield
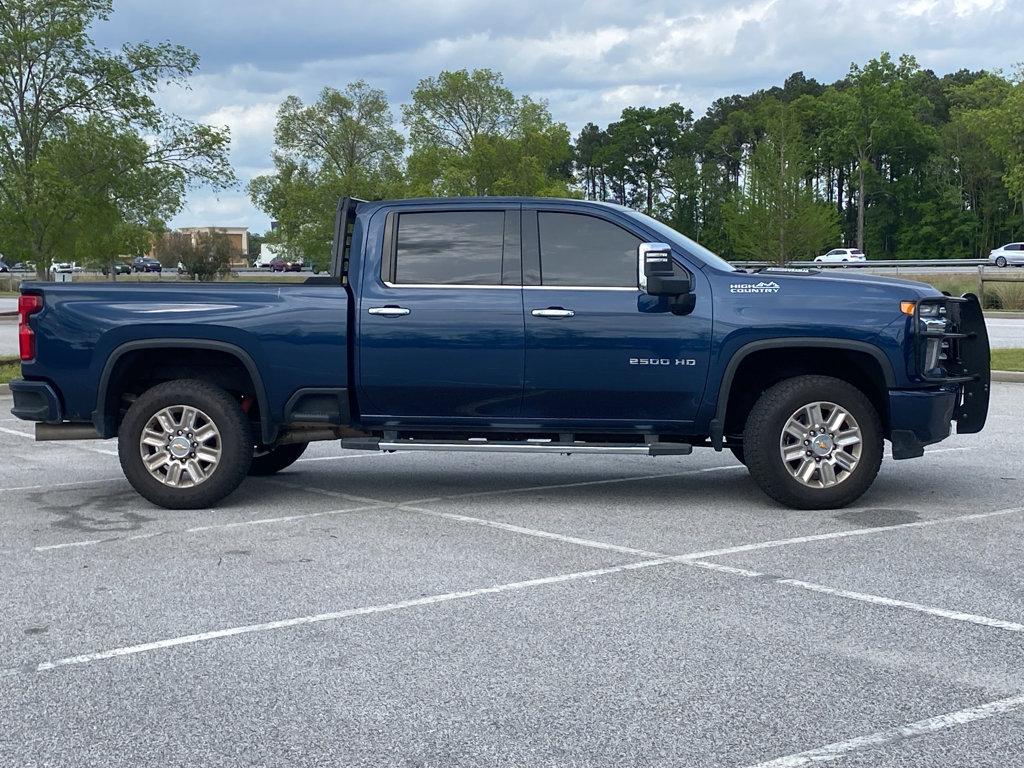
(691, 247)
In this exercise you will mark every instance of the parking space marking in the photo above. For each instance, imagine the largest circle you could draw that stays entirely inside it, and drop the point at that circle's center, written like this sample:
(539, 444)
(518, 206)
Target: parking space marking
(540, 533)
(83, 543)
(339, 615)
(365, 455)
(74, 444)
(63, 485)
(958, 616)
(691, 559)
(838, 750)
(279, 519)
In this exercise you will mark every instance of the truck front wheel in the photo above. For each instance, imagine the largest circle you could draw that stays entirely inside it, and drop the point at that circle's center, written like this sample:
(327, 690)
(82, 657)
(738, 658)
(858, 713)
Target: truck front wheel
(185, 444)
(813, 442)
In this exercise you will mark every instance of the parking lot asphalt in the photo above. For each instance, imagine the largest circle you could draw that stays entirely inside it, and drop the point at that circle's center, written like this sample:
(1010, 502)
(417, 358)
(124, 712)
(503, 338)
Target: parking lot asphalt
(459, 609)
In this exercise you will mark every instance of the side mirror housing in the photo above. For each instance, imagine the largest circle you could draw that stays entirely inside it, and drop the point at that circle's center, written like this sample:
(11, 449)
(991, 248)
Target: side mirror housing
(658, 276)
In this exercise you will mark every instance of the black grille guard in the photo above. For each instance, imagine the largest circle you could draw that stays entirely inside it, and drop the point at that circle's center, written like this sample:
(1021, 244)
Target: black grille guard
(967, 358)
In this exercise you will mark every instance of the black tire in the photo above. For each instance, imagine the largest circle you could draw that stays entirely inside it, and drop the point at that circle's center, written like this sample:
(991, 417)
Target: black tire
(737, 451)
(235, 444)
(764, 429)
(1000, 261)
(277, 459)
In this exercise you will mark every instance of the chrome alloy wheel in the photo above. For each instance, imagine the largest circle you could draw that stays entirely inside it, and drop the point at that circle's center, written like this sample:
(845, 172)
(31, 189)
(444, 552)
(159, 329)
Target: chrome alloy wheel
(180, 446)
(821, 445)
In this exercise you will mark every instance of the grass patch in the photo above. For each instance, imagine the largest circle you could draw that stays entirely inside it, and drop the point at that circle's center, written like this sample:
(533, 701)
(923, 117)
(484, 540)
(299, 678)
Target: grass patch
(1008, 360)
(10, 368)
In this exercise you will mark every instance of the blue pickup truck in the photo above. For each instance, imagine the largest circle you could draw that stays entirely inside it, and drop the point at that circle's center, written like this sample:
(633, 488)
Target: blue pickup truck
(506, 324)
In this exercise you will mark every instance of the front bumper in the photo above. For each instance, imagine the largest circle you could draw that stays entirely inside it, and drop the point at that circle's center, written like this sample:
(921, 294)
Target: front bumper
(918, 418)
(35, 401)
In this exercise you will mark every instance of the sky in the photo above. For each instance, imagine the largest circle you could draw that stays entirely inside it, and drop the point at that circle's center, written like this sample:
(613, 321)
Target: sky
(587, 59)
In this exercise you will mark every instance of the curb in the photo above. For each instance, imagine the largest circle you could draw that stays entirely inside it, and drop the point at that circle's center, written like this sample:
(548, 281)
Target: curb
(1008, 376)
(5, 389)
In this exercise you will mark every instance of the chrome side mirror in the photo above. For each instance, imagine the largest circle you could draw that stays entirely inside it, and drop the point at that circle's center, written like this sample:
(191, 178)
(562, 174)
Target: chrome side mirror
(653, 259)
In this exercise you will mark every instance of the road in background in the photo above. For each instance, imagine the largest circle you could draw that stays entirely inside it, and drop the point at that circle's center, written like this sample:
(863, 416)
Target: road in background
(8, 303)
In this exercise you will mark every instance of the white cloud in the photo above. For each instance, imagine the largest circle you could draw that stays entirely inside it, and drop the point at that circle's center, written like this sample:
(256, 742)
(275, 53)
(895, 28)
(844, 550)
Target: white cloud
(588, 59)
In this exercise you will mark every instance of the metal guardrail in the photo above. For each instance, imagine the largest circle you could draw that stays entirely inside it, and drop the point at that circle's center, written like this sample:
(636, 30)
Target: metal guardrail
(910, 263)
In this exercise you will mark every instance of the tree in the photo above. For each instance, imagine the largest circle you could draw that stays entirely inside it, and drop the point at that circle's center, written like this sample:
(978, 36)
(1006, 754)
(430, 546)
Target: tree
(343, 144)
(775, 213)
(878, 112)
(203, 255)
(471, 136)
(65, 102)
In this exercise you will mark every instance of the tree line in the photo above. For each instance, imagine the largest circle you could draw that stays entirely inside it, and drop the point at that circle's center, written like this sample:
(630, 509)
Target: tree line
(893, 158)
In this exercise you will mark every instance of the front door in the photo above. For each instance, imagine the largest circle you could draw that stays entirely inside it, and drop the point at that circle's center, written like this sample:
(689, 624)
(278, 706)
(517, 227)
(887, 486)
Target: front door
(597, 348)
(441, 333)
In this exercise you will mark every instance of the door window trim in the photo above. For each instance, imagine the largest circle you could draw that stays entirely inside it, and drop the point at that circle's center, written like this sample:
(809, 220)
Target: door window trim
(511, 253)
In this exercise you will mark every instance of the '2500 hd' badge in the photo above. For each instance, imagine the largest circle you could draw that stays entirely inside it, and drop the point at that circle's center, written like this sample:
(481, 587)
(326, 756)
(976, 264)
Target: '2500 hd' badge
(662, 362)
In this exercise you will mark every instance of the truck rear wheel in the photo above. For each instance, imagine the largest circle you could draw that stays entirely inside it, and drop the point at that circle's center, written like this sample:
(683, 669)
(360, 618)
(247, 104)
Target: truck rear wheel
(813, 442)
(270, 461)
(185, 444)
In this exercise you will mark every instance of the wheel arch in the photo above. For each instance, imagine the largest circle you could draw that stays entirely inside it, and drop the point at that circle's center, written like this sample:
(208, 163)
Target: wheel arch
(104, 417)
(881, 377)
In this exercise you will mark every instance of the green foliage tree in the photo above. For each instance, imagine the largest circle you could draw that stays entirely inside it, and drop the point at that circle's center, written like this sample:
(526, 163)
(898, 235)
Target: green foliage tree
(470, 135)
(343, 144)
(84, 149)
(204, 255)
(776, 214)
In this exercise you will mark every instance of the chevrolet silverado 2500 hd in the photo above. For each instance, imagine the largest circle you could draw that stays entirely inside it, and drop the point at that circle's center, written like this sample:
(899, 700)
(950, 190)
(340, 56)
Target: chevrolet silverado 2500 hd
(506, 324)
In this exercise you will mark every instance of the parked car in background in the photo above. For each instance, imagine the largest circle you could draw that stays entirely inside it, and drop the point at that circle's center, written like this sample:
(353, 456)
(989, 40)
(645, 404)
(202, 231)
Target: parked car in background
(146, 264)
(277, 264)
(120, 268)
(23, 267)
(4, 267)
(62, 267)
(1011, 253)
(842, 255)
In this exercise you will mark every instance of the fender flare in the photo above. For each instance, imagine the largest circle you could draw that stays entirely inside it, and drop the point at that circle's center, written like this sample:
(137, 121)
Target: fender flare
(718, 423)
(100, 417)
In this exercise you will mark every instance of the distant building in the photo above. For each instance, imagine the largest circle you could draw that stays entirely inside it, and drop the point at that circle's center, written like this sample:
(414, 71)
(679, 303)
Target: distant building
(237, 236)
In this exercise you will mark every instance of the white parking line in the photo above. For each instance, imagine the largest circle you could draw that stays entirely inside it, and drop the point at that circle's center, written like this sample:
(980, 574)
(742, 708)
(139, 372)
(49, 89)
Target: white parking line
(958, 616)
(365, 455)
(338, 615)
(691, 559)
(73, 444)
(62, 485)
(83, 543)
(838, 750)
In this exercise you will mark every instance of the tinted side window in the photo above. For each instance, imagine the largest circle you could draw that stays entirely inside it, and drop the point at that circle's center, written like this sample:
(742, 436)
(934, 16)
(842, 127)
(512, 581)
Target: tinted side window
(579, 250)
(450, 247)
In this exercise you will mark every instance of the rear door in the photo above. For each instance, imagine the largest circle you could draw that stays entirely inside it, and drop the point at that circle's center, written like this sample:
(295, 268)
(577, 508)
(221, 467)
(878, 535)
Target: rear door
(597, 348)
(441, 334)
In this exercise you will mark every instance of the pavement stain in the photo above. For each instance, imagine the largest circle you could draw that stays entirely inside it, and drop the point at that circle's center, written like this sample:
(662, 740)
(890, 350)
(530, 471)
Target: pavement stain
(97, 513)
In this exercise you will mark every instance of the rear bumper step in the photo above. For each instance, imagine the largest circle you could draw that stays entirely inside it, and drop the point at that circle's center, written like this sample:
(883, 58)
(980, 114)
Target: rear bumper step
(655, 449)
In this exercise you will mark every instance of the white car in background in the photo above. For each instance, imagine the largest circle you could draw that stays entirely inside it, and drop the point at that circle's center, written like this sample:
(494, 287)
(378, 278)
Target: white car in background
(1011, 253)
(842, 255)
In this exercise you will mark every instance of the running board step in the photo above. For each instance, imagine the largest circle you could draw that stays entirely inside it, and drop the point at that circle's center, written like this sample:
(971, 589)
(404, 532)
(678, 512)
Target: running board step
(656, 449)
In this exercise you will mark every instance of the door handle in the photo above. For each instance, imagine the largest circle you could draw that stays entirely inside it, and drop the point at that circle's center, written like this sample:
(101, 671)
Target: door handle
(390, 311)
(553, 312)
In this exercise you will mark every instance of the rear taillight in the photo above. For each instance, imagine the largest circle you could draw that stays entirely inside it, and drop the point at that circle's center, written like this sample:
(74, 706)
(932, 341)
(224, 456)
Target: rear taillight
(28, 304)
